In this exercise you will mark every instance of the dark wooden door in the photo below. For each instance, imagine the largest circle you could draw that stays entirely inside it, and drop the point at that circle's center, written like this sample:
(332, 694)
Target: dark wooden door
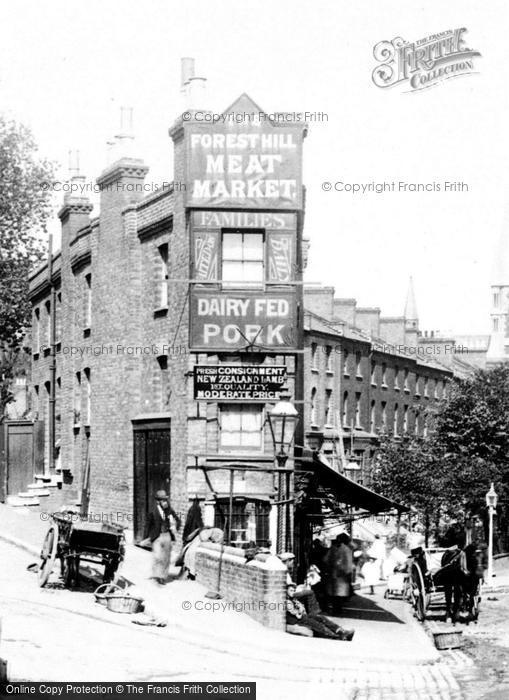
(152, 461)
(19, 456)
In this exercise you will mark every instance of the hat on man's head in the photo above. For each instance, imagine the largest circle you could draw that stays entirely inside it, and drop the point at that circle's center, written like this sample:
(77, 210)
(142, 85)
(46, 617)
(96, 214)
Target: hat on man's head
(161, 495)
(286, 556)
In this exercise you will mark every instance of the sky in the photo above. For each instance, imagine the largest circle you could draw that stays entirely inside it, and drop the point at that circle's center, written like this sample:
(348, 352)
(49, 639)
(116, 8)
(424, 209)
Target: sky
(66, 68)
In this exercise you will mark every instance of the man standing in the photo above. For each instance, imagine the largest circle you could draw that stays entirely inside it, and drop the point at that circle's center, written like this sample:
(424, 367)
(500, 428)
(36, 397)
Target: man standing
(162, 527)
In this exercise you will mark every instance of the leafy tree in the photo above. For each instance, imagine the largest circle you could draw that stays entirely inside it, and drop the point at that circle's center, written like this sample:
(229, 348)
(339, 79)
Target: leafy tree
(446, 475)
(408, 472)
(24, 210)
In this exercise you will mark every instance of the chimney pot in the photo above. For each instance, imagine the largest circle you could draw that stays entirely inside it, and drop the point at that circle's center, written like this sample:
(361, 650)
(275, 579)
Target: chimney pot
(74, 164)
(186, 70)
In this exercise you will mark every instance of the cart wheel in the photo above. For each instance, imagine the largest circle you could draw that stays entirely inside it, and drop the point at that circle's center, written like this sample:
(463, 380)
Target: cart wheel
(48, 554)
(420, 597)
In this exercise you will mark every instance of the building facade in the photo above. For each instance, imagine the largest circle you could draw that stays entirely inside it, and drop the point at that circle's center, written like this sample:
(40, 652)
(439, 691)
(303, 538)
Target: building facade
(178, 321)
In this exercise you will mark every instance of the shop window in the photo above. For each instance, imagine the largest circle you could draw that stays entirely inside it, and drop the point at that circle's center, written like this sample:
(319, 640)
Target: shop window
(240, 427)
(249, 521)
(242, 259)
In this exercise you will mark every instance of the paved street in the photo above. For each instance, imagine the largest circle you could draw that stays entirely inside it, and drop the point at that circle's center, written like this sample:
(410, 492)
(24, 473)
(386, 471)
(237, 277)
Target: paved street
(55, 634)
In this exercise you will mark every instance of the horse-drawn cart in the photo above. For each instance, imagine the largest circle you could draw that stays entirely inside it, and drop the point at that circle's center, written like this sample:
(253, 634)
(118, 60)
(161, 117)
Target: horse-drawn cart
(440, 578)
(72, 540)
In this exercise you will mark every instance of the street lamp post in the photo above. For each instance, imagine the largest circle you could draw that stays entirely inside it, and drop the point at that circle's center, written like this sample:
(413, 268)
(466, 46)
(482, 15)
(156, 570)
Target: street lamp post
(283, 421)
(491, 502)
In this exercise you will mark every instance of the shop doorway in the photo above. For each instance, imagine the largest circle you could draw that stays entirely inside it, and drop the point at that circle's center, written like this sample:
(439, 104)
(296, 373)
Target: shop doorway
(152, 468)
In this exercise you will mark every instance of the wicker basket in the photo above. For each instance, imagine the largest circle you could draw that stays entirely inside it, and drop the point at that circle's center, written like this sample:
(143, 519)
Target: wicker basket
(450, 639)
(101, 593)
(123, 603)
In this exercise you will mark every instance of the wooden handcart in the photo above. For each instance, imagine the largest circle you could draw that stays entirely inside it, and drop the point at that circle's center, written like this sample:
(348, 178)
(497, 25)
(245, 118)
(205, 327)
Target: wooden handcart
(73, 540)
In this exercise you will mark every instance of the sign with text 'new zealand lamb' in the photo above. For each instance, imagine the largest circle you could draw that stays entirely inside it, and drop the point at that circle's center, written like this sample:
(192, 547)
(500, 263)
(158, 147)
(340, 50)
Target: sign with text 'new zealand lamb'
(249, 320)
(238, 383)
(249, 165)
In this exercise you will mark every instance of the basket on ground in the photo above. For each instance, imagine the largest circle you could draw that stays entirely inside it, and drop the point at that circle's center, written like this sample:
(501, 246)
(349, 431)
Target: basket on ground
(448, 639)
(121, 603)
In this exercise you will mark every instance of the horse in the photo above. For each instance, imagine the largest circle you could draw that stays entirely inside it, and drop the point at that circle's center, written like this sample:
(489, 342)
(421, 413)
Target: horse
(459, 574)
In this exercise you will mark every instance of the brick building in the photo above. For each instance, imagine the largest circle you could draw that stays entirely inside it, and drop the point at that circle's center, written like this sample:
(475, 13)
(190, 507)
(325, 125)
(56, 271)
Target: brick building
(203, 274)
(365, 374)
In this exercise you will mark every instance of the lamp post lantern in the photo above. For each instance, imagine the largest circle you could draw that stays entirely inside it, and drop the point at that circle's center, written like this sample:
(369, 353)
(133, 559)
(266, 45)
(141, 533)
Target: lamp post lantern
(283, 421)
(491, 502)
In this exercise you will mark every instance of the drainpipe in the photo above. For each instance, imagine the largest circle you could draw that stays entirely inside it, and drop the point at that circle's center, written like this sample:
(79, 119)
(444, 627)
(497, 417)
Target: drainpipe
(53, 362)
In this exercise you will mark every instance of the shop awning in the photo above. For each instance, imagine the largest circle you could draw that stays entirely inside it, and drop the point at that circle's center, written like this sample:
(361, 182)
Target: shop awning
(351, 493)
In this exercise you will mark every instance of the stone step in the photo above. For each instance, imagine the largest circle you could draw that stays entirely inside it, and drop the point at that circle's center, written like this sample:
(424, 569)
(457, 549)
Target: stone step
(50, 480)
(22, 499)
(38, 490)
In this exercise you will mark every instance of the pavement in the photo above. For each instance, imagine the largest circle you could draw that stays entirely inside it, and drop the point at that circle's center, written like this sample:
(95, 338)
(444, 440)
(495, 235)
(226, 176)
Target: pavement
(390, 654)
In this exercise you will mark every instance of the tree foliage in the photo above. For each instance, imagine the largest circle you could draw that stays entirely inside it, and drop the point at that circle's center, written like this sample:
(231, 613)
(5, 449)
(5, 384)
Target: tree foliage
(25, 206)
(449, 472)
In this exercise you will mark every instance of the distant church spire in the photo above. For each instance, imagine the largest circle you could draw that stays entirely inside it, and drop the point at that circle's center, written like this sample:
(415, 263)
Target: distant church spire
(411, 315)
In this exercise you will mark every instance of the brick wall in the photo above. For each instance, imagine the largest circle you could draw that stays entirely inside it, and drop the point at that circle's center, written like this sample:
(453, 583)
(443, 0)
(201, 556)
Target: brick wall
(258, 587)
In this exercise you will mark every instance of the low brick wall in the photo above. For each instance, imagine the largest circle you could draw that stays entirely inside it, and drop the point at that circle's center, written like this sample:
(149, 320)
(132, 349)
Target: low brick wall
(257, 587)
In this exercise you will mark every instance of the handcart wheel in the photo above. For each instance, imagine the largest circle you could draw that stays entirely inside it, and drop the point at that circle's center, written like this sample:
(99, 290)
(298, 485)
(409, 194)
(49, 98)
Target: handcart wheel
(48, 554)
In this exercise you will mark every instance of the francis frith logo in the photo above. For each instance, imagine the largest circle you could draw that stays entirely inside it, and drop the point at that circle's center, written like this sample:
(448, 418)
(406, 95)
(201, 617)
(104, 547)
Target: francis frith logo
(424, 63)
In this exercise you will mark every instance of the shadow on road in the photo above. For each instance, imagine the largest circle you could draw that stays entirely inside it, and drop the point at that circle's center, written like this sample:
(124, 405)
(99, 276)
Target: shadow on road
(364, 608)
